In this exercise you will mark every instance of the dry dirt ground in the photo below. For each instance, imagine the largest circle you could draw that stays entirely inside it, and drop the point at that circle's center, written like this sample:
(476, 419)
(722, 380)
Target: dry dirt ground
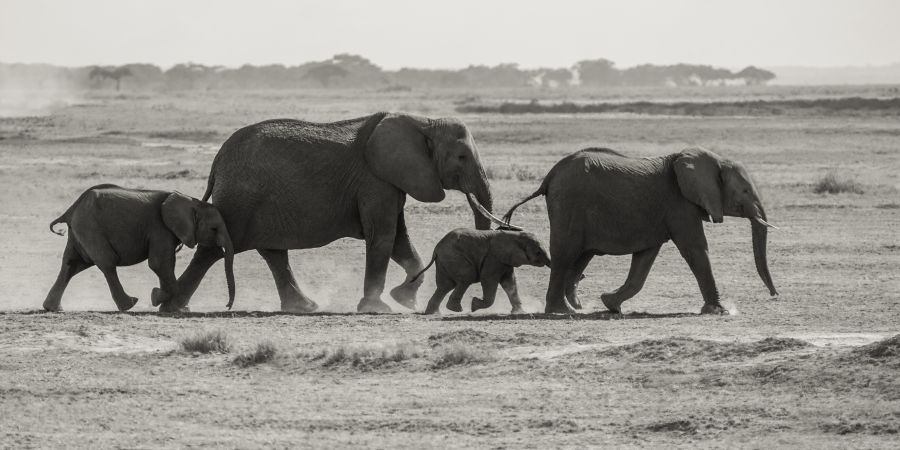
(815, 367)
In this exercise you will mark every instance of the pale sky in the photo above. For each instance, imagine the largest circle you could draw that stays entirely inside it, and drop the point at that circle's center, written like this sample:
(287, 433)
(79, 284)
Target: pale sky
(452, 33)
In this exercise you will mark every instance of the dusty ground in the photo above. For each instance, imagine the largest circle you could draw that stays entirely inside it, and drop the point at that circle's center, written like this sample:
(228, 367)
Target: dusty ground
(787, 371)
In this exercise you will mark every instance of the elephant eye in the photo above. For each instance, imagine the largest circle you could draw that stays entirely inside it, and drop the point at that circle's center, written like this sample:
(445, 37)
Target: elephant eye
(462, 157)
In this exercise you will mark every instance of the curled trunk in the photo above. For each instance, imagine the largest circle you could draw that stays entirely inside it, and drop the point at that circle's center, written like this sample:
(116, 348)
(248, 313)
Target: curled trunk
(760, 234)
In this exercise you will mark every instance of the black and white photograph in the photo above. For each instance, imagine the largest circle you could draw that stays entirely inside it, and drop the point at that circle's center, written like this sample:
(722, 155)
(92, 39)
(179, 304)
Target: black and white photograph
(409, 224)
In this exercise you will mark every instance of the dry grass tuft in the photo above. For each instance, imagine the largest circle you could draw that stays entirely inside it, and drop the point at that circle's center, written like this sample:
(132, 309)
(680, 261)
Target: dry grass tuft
(367, 357)
(834, 183)
(457, 354)
(264, 352)
(215, 341)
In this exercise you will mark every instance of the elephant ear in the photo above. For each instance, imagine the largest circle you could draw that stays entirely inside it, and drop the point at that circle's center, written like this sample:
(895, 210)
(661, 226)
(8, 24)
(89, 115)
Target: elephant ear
(510, 249)
(179, 214)
(698, 174)
(398, 152)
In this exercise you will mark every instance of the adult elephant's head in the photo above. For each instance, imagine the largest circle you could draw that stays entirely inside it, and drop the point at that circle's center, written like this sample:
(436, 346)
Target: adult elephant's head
(724, 188)
(423, 157)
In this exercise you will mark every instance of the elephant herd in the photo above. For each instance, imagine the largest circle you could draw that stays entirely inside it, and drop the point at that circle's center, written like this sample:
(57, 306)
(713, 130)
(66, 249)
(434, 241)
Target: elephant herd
(287, 184)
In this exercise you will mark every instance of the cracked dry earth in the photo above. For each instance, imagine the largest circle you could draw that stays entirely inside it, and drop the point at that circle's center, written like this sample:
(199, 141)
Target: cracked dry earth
(121, 380)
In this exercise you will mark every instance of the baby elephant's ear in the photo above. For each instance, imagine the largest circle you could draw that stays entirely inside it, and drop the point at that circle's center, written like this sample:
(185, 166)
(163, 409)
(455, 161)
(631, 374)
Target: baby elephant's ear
(179, 215)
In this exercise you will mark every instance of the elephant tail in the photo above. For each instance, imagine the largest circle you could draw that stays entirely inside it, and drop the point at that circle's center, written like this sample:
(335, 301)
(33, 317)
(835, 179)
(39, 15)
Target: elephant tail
(539, 192)
(209, 185)
(413, 279)
(61, 219)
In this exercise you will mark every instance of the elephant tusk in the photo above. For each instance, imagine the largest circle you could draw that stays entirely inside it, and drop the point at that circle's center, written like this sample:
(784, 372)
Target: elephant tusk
(763, 222)
(493, 218)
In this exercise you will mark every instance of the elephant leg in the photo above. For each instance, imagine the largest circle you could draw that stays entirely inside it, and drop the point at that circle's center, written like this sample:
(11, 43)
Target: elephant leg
(563, 262)
(162, 263)
(508, 283)
(697, 258)
(188, 282)
(577, 273)
(641, 262)
(444, 284)
(408, 258)
(380, 231)
(489, 292)
(454, 304)
(123, 301)
(292, 298)
(72, 264)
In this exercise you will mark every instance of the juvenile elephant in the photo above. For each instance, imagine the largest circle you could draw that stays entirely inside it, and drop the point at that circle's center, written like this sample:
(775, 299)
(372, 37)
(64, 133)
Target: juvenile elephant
(111, 226)
(465, 256)
(287, 184)
(601, 202)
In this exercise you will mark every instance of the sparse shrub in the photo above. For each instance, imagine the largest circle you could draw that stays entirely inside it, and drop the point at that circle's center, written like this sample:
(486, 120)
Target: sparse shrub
(459, 354)
(834, 183)
(215, 341)
(264, 352)
(367, 357)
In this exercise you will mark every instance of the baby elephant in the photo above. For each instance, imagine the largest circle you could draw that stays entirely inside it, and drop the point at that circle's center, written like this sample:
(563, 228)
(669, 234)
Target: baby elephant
(466, 256)
(111, 226)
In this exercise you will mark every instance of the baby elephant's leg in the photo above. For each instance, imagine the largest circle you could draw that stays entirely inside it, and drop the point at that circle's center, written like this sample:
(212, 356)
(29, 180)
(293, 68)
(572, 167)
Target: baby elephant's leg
(489, 289)
(72, 264)
(162, 263)
(456, 297)
(444, 284)
(508, 283)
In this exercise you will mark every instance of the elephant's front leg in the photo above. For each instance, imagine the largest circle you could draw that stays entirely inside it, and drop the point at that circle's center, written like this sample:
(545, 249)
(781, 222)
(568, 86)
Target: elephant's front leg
(406, 256)
(162, 263)
(697, 258)
(379, 220)
(508, 283)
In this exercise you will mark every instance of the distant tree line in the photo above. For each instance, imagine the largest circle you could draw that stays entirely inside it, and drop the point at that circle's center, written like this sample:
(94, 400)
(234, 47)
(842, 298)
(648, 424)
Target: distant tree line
(353, 71)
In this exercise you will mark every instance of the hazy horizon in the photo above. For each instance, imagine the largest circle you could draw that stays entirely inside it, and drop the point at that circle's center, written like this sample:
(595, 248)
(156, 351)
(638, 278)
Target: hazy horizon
(401, 33)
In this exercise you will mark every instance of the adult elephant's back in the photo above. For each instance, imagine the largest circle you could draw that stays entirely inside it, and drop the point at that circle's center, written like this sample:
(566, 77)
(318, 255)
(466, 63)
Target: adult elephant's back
(288, 184)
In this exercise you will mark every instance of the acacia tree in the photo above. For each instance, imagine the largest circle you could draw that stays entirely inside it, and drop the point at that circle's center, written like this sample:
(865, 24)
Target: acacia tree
(755, 76)
(116, 73)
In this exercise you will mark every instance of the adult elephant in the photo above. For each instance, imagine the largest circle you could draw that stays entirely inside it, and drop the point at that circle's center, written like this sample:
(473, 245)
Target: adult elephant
(287, 184)
(601, 202)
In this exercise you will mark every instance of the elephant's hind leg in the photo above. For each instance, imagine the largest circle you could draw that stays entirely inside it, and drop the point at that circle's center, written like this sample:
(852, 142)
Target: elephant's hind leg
(72, 264)
(188, 282)
(575, 276)
(443, 285)
(407, 257)
(292, 298)
(641, 262)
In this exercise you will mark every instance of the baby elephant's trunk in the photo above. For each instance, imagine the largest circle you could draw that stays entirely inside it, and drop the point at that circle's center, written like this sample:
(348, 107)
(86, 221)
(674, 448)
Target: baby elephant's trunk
(224, 241)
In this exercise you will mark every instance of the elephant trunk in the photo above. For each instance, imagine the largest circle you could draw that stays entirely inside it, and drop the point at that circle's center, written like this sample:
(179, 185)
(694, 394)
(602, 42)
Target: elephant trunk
(481, 190)
(224, 240)
(760, 230)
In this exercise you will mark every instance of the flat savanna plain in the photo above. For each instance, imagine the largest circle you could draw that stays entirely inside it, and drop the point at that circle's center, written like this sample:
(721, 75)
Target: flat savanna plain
(814, 367)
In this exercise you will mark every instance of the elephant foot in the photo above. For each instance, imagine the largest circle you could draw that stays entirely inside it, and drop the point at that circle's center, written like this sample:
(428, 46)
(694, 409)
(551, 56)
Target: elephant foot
(300, 305)
(478, 303)
(126, 304)
(435, 310)
(714, 308)
(373, 305)
(559, 308)
(405, 295)
(454, 305)
(613, 304)
(517, 309)
(159, 296)
(52, 307)
(171, 307)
